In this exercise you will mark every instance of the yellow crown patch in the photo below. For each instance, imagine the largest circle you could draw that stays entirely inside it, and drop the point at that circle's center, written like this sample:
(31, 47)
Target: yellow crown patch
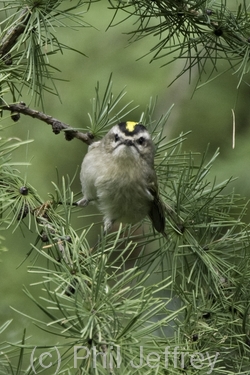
(130, 126)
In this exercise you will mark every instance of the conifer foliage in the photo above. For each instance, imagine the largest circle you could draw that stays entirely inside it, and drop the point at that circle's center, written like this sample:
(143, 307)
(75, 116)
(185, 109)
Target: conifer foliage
(133, 302)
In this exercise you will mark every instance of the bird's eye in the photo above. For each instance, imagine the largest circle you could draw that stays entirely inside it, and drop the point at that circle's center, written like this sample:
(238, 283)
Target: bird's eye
(116, 138)
(141, 141)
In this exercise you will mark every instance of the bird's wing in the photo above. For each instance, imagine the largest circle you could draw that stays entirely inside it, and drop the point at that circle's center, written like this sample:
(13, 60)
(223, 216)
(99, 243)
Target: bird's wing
(156, 213)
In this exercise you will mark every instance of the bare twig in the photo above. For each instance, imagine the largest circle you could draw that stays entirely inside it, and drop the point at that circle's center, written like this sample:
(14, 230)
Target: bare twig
(57, 126)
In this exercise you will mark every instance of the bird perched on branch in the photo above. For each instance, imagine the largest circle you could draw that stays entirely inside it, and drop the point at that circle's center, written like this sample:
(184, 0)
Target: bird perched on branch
(118, 175)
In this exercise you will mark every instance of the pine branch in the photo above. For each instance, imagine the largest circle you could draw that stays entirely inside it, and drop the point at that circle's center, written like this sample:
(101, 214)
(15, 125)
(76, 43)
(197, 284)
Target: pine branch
(197, 32)
(13, 33)
(28, 38)
(57, 125)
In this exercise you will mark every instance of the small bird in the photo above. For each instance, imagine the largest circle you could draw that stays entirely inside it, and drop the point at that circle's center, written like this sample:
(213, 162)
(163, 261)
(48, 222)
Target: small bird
(118, 175)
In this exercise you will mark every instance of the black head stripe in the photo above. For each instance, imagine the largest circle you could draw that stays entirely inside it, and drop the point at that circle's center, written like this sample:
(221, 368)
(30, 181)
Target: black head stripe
(131, 128)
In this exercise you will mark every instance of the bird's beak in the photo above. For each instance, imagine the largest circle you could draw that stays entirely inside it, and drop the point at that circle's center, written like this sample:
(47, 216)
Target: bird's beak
(128, 142)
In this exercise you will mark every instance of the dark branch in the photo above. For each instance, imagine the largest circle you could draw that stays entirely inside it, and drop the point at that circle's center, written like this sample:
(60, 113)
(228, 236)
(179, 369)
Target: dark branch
(57, 126)
(13, 34)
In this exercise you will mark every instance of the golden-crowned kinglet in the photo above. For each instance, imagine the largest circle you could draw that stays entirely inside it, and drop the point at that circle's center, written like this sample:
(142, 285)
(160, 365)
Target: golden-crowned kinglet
(118, 175)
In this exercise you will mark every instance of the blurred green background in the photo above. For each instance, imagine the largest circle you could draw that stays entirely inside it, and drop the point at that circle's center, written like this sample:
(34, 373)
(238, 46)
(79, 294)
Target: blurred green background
(205, 112)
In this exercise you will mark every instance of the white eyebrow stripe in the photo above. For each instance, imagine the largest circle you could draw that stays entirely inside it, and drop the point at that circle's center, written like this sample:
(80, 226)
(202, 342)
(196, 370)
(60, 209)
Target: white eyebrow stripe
(144, 134)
